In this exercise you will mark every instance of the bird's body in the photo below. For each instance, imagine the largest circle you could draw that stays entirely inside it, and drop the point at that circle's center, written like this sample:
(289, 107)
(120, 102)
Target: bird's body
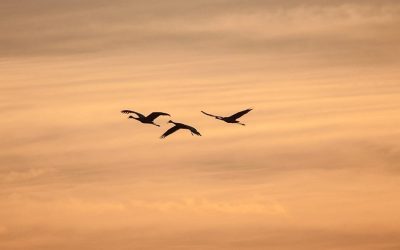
(145, 119)
(180, 126)
(230, 119)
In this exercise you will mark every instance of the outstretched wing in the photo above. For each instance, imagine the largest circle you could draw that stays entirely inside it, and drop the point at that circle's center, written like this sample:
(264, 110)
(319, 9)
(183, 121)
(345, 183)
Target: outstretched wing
(218, 117)
(126, 111)
(154, 115)
(194, 131)
(169, 131)
(240, 114)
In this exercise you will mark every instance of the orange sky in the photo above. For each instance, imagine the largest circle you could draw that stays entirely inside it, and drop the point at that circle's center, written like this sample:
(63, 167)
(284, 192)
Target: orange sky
(316, 167)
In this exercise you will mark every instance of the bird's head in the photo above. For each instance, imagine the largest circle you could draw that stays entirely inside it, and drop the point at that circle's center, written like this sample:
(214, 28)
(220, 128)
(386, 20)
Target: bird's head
(170, 121)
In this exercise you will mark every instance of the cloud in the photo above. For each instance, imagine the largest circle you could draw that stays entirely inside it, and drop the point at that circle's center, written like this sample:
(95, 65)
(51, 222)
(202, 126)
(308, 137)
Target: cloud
(17, 176)
(355, 30)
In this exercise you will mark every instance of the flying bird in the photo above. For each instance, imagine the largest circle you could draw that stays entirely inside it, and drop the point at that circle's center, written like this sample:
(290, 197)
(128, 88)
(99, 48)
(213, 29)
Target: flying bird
(145, 119)
(230, 119)
(179, 126)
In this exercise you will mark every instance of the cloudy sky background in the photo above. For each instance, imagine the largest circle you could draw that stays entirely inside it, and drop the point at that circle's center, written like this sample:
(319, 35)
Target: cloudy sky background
(316, 167)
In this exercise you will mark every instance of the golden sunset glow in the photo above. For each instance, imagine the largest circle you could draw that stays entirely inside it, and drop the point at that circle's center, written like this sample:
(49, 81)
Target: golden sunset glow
(315, 168)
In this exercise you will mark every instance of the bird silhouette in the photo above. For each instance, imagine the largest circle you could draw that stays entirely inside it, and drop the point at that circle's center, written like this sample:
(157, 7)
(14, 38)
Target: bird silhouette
(230, 119)
(179, 126)
(145, 119)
